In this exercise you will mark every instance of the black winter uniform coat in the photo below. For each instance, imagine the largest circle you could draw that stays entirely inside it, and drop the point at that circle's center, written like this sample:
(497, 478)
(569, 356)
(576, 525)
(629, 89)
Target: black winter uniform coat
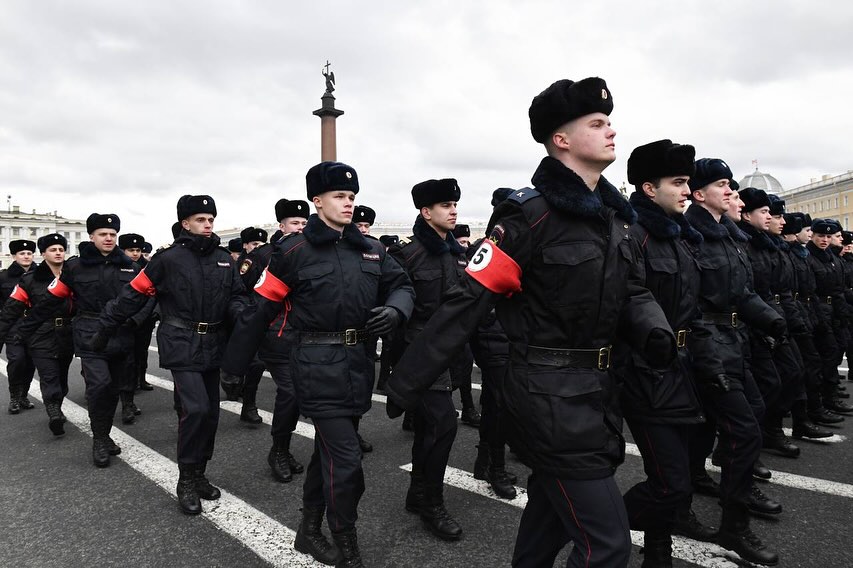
(194, 281)
(324, 281)
(434, 265)
(668, 246)
(806, 290)
(565, 274)
(53, 338)
(9, 278)
(726, 288)
(90, 280)
(829, 280)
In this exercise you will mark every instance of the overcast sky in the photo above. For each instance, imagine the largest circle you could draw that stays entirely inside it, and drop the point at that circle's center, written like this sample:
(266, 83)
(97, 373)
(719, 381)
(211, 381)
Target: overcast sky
(121, 107)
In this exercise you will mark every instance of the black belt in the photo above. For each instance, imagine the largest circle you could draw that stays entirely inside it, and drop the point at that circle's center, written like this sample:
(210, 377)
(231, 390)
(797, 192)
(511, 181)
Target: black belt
(200, 327)
(828, 300)
(61, 322)
(346, 337)
(726, 318)
(681, 338)
(581, 358)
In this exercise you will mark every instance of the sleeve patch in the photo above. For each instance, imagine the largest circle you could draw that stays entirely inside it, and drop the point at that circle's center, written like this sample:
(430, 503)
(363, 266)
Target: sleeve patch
(494, 269)
(271, 287)
(143, 284)
(59, 289)
(20, 295)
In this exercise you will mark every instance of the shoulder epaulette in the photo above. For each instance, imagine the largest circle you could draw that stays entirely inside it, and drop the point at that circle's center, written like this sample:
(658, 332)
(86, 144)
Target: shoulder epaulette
(523, 195)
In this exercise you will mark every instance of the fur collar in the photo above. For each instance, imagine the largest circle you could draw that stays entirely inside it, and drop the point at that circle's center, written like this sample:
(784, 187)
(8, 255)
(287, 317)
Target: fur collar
(564, 190)
(659, 224)
(733, 230)
(758, 239)
(197, 243)
(16, 270)
(798, 249)
(823, 255)
(90, 255)
(432, 242)
(317, 232)
(43, 273)
(702, 220)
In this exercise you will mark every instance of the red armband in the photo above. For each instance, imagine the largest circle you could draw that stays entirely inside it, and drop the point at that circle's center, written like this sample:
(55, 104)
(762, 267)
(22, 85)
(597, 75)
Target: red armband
(59, 289)
(21, 295)
(271, 287)
(495, 269)
(143, 284)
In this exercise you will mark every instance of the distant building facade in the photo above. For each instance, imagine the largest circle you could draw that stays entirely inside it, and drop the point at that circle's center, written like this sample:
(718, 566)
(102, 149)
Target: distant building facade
(828, 197)
(15, 224)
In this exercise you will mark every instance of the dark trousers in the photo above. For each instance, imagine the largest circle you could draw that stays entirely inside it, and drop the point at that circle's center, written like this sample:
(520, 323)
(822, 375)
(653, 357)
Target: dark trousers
(103, 378)
(198, 392)
(765, 373)
(652, 503)
(830, 350)
(20, 367)
(491, 430)
(286, 412)
(812, 369)
(53, 377)
(334, 478)
(435, 429)
(589, 513)
(141, 343)
(460, 377)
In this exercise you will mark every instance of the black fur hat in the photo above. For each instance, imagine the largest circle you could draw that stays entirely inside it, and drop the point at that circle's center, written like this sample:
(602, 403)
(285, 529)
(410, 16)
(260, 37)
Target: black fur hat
(432, 191)
(794, 223)
(194, 204)
(251, 234)
(97, 221)
(566, 100)
(846, 238)
(48, 241)
(130, 240)
(500, 194)
(176, 229)
(389, 240)
(363, 214)
(807, 219)
(276, 236)
(461, 231)
(753, 199)
(709, 170)
(659, 159)
(147, 248)
(235, 245)
(777, 204)
(331, 176)
(18, 245)
(285, 208)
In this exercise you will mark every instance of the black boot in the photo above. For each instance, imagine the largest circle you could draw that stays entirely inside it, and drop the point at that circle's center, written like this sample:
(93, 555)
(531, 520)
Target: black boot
(14, 403)
(657, 549)
(704, 484)
(408, 422)
(204, 488)
(310, 538)
(471, 417)
(736, 535)
(277, 458)
(776, 441)
(687, 524)
(501, 481)
(435, 516)
(24, 400)
(100, 441)
(142, 383)
(481, 462)
(760, 504)
(803, 427)
(415, 499)
(348, 545)
(825, 417)
(761, 471)
(366, 447)
(128, 416)
(188, 498)
(54, 416)
(249, 412)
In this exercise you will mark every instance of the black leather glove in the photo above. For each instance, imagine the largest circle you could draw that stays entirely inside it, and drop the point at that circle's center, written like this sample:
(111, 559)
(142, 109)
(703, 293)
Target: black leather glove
(99, 341)
(660, 349)
(717, 384)
(231, 384)
(392, 409)
(778, 329)
(385, 319)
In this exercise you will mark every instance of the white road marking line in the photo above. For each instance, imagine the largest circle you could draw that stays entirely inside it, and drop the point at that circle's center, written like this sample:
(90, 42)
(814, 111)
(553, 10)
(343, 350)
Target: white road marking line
(834, 439)
(699, 553)
(263, 535)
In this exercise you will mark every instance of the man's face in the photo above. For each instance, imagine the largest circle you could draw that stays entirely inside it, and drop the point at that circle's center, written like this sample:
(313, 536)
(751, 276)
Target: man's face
(54, 255)
(252, 245)
(292, 225)
(846, 249)
(199, 224)
(134, 253)
(442, 215)
(758, 218)
(776, 224)
(821, 241)
(590, 139)
(363, 227)
(335, 208)
(104, 240)
(235, 256)
(24, 258)
(835, 239)
(464, 241)
(715, 196)
(671, 194)
(804, 236)
(735, 207)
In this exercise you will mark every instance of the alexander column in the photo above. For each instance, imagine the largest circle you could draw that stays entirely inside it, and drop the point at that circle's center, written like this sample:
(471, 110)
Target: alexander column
(328, 115)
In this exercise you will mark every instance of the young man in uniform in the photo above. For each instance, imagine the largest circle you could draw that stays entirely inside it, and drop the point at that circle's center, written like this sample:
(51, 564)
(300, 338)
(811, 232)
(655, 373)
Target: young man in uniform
(198, 291)
(565, 275)
(336, 289)
(51, 345)
(131, 244)
(363, 218)
(21, 368)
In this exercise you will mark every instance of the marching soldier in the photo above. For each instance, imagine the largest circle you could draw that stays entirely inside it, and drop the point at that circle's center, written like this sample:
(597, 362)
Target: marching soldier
(363, 218)
(131, 244)
(336, 289)
(235, 245)
(21, 368)
(462, 233)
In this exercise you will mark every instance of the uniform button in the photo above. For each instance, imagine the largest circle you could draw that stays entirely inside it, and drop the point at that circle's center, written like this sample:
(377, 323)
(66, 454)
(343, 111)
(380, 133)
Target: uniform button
(625, 226)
